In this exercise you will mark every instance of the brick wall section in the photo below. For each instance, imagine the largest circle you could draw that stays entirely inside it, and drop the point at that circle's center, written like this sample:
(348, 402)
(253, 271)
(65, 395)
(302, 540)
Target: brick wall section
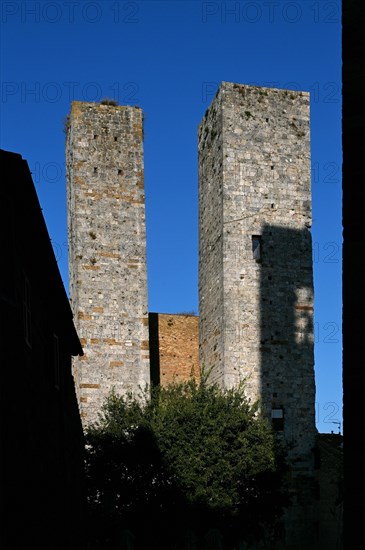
(107, 251)
(176, 349)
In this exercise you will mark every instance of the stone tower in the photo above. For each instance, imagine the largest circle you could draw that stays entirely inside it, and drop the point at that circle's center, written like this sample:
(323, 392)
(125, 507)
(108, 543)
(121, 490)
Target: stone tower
(107, 251)
(255, 262)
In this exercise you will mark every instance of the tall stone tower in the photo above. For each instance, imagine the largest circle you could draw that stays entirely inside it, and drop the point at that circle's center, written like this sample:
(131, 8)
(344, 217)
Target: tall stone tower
(255, 262)
(107, 251)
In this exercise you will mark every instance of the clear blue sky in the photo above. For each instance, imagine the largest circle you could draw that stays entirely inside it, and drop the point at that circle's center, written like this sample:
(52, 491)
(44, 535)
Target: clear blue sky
(169, 57)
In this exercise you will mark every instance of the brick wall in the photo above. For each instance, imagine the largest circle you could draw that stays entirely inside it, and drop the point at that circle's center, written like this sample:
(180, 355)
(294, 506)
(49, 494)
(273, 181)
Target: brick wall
(174, 350)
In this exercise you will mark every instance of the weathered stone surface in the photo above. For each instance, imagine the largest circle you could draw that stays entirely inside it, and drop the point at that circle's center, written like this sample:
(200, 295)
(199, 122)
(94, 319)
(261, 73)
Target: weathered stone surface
(107, 250)
(256, 312)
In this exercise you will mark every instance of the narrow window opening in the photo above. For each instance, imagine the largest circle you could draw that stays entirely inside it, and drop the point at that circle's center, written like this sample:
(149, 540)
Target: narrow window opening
(119, 172)
(115, 138)
(95, 170)
(257, 247)
(267, 120)
(272, 167)
(277, 419)
(272, 205)
(95, 136)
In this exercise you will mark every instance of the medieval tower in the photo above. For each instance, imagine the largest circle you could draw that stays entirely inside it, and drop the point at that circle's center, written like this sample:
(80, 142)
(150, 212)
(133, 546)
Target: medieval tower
(255, 264)
(107, 251)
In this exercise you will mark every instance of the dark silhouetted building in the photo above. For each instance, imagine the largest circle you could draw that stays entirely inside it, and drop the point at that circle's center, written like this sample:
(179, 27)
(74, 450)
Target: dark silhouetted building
(40, 430)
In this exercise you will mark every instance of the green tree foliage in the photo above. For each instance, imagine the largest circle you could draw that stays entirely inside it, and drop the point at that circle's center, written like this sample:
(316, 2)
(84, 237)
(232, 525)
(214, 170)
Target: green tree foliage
(190, 463)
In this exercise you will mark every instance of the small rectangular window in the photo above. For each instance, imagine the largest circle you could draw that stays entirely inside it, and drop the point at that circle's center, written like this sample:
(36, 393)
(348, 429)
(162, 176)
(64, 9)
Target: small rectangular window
(257, 247)
(277, 419)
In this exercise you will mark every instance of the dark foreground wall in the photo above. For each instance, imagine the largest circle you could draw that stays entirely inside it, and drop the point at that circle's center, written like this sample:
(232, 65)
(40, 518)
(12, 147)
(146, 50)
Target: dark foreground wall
(41, 441)
(353, 20)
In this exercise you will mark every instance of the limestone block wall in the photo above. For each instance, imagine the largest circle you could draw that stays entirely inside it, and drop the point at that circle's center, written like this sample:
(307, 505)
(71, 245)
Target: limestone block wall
(256, 306)
(255, 269)
(210, 196)
(107, 251)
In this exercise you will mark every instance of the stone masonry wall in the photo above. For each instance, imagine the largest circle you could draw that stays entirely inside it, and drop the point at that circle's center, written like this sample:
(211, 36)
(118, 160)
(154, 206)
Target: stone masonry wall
(107, 251)
(256, 310)
(210, 193)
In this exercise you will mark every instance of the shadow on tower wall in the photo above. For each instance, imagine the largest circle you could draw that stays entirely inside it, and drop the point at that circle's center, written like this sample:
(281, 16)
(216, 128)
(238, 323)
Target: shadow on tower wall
(287, 365)
(154, 348)
(286, 332)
